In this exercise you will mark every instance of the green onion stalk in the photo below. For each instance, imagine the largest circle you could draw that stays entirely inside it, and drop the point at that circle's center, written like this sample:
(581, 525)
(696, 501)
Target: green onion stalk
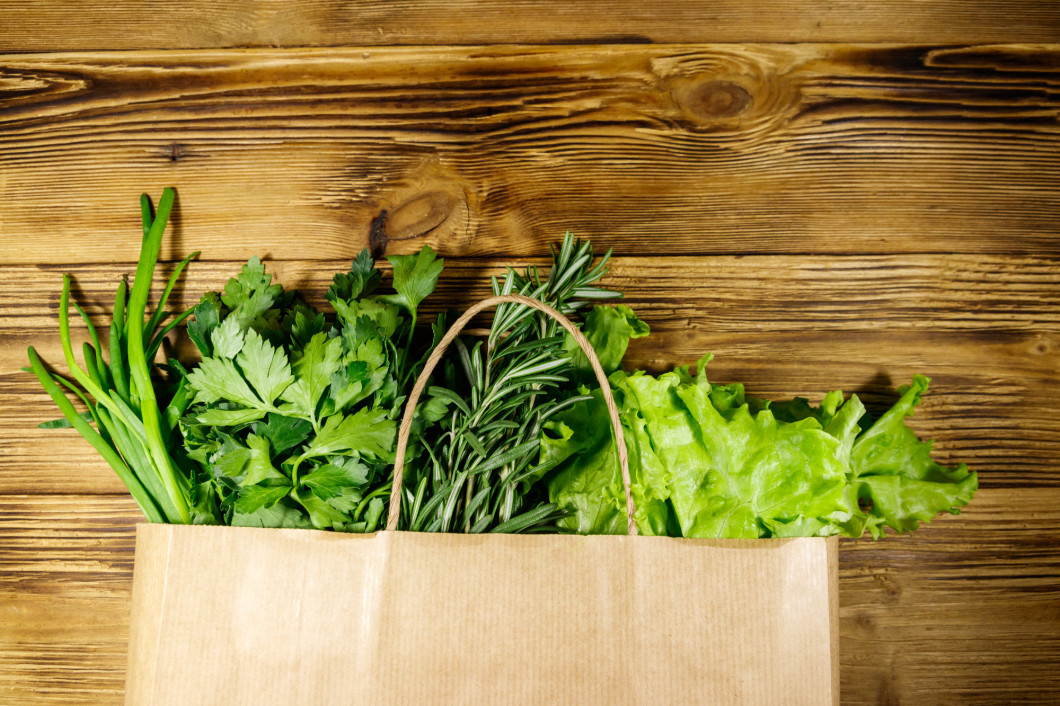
(131, 431)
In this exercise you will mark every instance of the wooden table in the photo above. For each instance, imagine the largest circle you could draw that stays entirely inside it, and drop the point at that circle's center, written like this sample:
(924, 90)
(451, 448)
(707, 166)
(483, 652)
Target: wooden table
(824, 194)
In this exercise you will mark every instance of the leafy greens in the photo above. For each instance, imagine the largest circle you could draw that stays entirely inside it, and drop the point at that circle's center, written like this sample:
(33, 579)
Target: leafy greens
(289, 420)
(706, 461)
(292, 421)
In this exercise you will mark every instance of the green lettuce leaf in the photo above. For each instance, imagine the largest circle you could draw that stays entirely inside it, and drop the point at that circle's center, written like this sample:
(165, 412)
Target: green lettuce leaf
(609, 329)
(898, 483)
(590, 488)
(758, 471)
(706, 462)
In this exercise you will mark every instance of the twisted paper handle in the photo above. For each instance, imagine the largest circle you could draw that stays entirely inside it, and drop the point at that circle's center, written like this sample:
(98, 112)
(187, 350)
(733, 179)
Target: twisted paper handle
(436, 356)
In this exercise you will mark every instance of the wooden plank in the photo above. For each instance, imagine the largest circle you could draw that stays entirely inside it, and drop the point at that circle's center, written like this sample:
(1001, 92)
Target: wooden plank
(60, 650)
(934, 617)
(65, 577)
(496, 151)
(49, 25)
(986, 329)
(963, 609)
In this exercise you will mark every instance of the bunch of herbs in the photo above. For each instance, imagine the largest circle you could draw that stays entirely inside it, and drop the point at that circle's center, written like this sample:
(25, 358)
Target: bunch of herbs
(292, 421)
(473, 469)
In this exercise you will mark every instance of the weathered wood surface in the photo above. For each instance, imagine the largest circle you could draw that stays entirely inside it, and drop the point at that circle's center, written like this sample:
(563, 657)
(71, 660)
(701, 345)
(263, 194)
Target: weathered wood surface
(906, 602)
(55, 25)
(819, 215)
(496, 151)
(65, 577)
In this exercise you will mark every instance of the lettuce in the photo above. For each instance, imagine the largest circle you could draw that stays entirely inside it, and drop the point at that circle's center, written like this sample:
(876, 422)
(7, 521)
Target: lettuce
(895, 475)
(706, 461)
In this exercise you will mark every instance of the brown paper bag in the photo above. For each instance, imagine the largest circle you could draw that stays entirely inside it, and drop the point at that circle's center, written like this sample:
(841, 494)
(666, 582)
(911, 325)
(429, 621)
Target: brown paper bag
(226, 615)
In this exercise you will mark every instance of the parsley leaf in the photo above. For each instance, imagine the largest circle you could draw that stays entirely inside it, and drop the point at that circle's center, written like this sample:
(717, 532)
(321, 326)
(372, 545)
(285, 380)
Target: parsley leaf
(322, 514)
(291, 415)
(360, 281)
(259, 462)
(251, 294)
(384, 316)
(313, 369)
(415, 276)
(256, 497)
(228, 417)
(329, 480)
(367, 431)
(283, 514)
(219, 379)
(265, 367)
(207, 316)
(227, 339)
(284, 432)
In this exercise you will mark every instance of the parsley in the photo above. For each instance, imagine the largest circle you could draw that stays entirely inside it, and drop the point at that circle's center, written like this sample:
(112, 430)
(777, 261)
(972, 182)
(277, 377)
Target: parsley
(288, 420)
(293, 414)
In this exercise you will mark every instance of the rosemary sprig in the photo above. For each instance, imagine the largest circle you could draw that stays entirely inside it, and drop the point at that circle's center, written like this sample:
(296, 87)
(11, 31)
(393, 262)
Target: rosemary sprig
(477, 471)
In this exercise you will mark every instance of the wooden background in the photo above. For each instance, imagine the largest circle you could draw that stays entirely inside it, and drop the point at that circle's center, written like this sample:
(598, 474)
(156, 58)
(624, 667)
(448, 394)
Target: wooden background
(824, 194)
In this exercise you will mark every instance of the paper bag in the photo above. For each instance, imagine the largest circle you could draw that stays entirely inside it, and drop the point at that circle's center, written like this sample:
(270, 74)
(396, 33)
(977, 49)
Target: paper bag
(226, 615)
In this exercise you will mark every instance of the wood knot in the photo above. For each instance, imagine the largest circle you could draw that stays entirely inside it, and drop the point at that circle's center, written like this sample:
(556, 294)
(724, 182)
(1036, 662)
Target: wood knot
(718, 99)
(889, 586)
(738, 98)
(17, 84)
(377, 235)
(713, 102)
(415, 218)
(420, 215)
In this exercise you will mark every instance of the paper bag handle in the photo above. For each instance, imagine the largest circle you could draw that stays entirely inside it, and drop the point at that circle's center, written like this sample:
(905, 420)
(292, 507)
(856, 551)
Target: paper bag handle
(436, 355)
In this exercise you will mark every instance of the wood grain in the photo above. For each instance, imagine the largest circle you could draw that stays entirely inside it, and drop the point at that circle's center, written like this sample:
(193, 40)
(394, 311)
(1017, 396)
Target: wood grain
(488, 151)
(985, 581)
(939, 616)
(65, 576)
(50, 25)
(986, 329)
